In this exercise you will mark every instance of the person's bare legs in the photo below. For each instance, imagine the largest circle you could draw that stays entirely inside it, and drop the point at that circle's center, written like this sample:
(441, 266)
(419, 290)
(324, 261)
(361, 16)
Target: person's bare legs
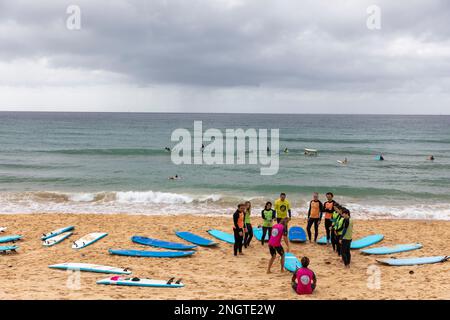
(272, 259)
(282, 263)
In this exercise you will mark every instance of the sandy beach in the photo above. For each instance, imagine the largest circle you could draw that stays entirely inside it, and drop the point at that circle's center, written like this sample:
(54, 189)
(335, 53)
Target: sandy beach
(213, 273)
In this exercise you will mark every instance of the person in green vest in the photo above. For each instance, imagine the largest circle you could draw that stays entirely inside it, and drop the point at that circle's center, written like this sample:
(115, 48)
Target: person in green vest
(268, 215)
(346, 239)
(248, 224)
(338, 228)
(336, 214)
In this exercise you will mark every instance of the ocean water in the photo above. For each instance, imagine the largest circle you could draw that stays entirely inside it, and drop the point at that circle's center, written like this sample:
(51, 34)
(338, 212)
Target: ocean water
(116, 163)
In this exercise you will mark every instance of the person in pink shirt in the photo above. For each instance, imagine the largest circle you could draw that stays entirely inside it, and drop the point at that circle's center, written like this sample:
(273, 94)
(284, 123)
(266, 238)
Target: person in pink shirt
(279, 231)
(304, 280)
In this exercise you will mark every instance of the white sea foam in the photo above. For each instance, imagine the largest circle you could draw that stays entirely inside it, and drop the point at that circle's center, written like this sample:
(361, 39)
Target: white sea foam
(158, 202)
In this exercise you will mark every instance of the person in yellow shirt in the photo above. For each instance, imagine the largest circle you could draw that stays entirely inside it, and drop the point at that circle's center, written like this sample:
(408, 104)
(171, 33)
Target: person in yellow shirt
(282, 201)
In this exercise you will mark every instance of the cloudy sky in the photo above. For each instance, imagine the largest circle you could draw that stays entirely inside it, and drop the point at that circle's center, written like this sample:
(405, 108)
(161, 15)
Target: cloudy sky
(226, 56)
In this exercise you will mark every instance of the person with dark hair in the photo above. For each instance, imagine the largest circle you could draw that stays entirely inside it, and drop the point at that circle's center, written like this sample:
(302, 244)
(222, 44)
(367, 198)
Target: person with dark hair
(338, 228)
(238, 228)
(314, 216)
(333, 236)
(282, 201)
(304, 280)
(268, 215)
(328, 208)
(279, 231)
(346, 238)
(248, 225)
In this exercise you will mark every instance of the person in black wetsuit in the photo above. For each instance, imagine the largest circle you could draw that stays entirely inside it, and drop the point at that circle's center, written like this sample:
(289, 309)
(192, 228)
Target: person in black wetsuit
(239, 228)
(328, 208)
(248, 224)
(314, 216)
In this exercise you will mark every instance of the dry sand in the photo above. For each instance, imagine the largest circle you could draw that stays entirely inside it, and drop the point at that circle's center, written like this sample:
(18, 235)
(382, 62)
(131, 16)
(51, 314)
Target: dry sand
(213, 273)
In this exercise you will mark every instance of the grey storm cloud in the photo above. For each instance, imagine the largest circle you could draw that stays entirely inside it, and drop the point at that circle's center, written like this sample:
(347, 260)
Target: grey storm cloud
(305, 45)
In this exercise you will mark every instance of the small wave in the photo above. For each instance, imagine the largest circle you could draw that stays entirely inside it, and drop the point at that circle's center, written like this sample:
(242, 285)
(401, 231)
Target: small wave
(109, 151)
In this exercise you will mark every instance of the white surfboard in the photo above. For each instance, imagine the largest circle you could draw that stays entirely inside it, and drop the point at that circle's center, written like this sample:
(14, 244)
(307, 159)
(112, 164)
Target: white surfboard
(56, 232)
(88, 240)
(3, 229)
(136, 282)
(56, 239)
(89, 267)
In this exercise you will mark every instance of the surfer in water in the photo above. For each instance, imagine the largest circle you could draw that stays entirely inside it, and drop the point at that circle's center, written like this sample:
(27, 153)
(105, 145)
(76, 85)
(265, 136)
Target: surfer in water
(279, 231)
(239, 228)
(346, 238)
(248, 225)
(314, 216)
(431, 158)
(167, 149)
(175, 177)
(304, 279)
(268, 215)
(286, 150)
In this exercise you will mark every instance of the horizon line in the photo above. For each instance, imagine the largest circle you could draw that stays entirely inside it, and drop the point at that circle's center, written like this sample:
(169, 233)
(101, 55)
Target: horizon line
(233, 113)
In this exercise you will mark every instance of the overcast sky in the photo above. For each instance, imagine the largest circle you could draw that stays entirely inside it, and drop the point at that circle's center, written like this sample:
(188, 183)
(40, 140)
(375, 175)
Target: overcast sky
(226, 56)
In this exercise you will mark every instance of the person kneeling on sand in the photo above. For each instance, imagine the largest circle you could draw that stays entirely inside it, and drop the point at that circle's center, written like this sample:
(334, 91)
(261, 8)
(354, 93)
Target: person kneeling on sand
(278, 231)
(304, 280)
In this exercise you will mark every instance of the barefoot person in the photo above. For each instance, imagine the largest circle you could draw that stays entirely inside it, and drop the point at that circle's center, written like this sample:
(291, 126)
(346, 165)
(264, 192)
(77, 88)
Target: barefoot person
(328, 208)
(238, 228)
(278, 231)
(247, 224)
(314, 216)
(282, 201)
(268, 215)
(336, 215)
(304, 280)
(346, 239)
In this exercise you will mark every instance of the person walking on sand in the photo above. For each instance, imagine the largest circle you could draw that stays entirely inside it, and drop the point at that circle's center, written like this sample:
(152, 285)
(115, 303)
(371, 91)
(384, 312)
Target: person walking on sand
(278, 231)
(268, 215)
(314, 216)
(304, 280)
(282, 201)
(247, 224)
(238, 228)
(328, 208)
(346, 239)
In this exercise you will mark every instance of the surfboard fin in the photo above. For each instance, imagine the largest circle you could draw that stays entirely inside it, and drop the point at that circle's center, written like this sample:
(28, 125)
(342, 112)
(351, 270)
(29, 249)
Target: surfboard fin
(170, 280)
(178, 281)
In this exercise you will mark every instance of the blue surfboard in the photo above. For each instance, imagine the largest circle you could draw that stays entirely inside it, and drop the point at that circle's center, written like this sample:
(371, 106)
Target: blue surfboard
(56, 232)
(413, 261)
(291, 262)
(297, 234)
(10, 238)
(322, 240)
(195, 239)
(393, 249)
(257, 232)
(223, 236)
(162, 244)
(151, 254)
(4, 249)
(366, 241)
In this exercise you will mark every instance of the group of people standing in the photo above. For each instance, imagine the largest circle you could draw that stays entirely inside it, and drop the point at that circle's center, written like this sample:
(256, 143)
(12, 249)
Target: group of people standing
(275, 219)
